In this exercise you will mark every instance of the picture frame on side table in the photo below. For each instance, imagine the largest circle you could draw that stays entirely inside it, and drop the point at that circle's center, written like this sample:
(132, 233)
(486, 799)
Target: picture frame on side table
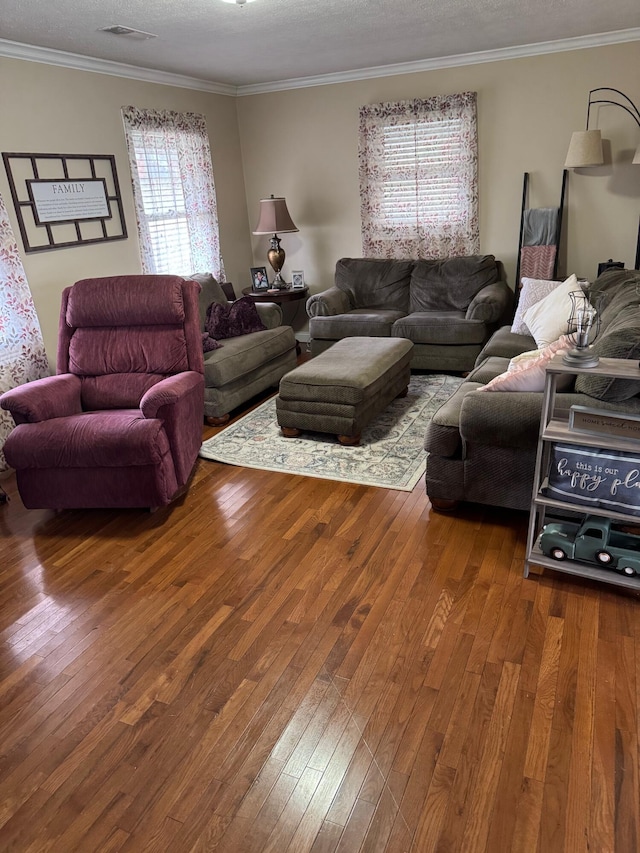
(259, 280)
(297, 279)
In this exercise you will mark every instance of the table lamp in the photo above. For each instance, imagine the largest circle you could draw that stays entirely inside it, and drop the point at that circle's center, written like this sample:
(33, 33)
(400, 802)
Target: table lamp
(275, 217)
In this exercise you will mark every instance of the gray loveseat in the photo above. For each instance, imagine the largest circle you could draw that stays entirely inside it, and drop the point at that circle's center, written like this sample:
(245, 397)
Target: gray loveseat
(246, 365)
(447, 308)
(481, 446)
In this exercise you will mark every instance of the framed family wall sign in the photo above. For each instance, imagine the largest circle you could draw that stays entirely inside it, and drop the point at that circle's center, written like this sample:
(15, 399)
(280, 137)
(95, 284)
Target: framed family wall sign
(64, 200)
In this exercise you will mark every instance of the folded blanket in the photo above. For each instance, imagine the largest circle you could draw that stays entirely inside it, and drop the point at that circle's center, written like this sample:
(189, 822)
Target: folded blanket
(540, 226)
(537, 262)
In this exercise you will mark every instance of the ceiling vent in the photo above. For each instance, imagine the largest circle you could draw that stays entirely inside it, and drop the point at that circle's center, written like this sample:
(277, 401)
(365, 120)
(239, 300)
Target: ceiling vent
(129, 32)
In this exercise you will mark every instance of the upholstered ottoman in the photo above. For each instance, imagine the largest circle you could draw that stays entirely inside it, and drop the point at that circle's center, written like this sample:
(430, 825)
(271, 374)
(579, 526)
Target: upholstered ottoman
(344, 387)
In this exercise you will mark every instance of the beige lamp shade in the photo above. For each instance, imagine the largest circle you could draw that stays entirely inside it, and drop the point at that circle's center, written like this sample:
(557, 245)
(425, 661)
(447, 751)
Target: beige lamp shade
(274, 217)
(585, 149)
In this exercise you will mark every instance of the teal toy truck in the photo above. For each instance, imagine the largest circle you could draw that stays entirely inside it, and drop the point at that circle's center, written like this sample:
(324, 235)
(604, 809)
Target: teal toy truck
(592, 541)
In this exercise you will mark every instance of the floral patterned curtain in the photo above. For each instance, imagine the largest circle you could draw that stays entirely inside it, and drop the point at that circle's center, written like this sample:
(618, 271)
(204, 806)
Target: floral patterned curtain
(22, 354)
(418, 178)
(174, 192)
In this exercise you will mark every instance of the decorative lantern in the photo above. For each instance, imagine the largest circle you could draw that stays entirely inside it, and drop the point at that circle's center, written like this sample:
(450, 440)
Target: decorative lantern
(583, 326)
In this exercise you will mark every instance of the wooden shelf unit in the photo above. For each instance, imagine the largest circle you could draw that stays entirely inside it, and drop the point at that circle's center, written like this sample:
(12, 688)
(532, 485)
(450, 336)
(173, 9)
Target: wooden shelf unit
(554, 428)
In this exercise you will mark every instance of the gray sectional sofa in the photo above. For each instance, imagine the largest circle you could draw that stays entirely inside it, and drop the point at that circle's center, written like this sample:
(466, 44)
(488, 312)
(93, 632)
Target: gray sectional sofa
(482, 446)
(447, 308)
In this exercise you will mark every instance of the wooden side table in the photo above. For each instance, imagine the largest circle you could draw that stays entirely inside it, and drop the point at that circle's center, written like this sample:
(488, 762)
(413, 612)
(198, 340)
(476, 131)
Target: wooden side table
(277, 296)
(555, 428)
(282, 297)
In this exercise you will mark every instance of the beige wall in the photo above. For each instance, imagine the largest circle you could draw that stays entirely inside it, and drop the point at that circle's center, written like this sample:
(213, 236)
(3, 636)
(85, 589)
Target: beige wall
(303, 144)
(45, 109)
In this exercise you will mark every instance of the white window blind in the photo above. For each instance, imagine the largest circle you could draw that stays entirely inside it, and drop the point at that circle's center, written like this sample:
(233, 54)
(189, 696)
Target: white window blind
(416, 185)
(418, 178)
(163, 203)
(174, 192)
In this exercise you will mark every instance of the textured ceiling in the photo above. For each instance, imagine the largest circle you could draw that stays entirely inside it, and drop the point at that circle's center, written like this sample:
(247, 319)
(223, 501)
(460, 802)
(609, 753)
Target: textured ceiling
(274, 40)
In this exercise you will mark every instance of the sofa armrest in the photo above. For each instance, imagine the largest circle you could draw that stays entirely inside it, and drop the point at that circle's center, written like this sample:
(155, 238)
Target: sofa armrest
(270, 314)
(43, 399)
(505, 344)
(512, 418)
(491, 304)
(443, 431)
(501, 419)
(328, 303)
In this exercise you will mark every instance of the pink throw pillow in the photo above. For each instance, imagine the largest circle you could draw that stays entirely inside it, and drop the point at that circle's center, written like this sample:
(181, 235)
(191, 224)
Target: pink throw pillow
(528, 374)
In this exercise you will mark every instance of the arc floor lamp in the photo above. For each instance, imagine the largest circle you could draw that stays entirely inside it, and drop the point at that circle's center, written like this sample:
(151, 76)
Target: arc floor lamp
(585, 148)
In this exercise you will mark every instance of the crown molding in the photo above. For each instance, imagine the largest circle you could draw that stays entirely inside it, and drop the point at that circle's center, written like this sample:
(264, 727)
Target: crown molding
(521, 51)
(31, 53)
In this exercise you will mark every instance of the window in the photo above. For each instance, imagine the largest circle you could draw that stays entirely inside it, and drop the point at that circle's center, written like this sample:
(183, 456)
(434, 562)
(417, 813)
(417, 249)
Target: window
(418, 178)
(174, 192)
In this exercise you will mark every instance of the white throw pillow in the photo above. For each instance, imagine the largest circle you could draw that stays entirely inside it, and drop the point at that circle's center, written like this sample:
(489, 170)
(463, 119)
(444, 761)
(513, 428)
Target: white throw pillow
(526, 372)
(547, 319)
(533, 290)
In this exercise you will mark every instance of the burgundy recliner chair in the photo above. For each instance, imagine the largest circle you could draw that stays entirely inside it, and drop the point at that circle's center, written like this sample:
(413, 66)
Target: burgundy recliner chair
(120, 425)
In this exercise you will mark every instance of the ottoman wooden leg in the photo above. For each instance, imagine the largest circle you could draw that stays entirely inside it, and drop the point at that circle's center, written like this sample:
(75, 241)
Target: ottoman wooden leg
(403, 393)
(290, 432)
(349, 440)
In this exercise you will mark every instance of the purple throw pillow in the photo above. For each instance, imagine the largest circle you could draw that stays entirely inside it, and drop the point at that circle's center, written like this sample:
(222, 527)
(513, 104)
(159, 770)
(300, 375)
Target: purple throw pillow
(230, 321)
(209, 343)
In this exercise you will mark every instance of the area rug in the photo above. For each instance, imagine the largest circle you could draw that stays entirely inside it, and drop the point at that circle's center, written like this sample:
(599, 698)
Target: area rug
(390, 455)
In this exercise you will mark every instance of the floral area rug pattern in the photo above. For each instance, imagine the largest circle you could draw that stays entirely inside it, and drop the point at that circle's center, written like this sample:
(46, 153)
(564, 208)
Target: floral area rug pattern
(390, 455)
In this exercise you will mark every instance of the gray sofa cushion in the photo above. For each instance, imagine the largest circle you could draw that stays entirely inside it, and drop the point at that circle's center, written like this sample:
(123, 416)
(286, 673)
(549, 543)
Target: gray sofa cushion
(238, 357)
(615, 343)
(375, 283)
(504, 344)
(439, 327)
(488, 369)
(491, 304)
(450, 283)
(616, 290)
(210, 291)
(363, 322)
(619, 336)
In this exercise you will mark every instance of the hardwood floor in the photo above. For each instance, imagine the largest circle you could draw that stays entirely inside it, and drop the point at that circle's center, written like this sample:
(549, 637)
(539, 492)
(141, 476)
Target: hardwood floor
(281, 664)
